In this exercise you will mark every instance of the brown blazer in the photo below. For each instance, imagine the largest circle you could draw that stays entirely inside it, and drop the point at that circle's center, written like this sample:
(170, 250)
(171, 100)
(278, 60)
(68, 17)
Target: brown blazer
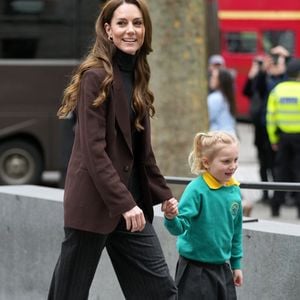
(96, 192)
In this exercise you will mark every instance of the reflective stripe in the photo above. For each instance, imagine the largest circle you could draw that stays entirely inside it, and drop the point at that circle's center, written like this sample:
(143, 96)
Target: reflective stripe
(283, 110)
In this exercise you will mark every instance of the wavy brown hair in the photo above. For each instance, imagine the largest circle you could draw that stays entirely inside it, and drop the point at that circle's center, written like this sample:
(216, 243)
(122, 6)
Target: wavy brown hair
(101, 56)
(226, 86)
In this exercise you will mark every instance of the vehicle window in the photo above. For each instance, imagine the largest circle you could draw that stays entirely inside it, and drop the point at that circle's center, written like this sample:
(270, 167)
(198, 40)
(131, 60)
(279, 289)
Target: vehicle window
(240, 42)
(272, 38)
(45, 29)
(13, 7)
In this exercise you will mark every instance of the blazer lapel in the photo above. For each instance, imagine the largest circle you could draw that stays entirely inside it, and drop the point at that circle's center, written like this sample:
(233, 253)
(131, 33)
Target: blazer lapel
(121, 106)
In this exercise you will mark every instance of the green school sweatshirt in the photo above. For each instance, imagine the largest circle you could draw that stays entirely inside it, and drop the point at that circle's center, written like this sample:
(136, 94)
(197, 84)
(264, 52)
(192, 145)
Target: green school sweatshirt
(209, 223)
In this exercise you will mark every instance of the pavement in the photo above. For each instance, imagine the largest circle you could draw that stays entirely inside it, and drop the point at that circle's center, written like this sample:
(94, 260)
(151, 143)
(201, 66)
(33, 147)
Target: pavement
(248, 171)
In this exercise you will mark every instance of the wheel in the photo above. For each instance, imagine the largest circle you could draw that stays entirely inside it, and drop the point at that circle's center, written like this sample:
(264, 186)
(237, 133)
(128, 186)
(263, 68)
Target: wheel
(20, 163)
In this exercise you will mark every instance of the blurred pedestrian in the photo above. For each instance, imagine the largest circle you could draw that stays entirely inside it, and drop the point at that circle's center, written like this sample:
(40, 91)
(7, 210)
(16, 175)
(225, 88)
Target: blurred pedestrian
(209, 223)
(216, 61)
(283, 126)
(112, 179)
(265, 72)
(222, 111)
(221, 102)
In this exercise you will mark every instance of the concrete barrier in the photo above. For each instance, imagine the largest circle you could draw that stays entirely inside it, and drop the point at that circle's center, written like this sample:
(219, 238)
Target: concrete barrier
(31, 231)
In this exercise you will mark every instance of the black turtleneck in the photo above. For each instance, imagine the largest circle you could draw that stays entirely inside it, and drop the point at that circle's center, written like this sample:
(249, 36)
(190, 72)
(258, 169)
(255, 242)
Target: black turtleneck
(126, 64)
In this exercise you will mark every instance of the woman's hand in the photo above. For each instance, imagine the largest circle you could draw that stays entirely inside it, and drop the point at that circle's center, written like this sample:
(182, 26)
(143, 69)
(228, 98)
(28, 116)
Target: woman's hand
(135, 219)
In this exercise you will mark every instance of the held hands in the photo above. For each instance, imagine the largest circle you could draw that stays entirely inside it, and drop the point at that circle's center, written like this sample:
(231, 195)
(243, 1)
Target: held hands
(135, 219)
(170, 208)
(237, 277)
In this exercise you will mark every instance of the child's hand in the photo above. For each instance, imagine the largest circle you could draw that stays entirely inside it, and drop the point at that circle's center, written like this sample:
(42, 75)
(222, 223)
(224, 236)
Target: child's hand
(238, 277)
(170, 208)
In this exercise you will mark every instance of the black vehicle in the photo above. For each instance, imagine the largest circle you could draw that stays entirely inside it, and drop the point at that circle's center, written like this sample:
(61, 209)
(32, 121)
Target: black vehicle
(41, 41)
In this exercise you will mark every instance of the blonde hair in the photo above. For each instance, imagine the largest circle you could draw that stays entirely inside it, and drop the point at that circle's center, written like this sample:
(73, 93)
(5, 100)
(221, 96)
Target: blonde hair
(208, 145)
(101, 56)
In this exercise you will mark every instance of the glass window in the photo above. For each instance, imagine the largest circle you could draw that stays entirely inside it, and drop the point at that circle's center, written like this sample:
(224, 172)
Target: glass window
(241, 42)
(46, 29)
(13, 7)
(272, 38)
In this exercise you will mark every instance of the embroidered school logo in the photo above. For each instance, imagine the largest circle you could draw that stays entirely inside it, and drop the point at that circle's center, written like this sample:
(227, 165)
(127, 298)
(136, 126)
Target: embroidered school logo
(234, 208)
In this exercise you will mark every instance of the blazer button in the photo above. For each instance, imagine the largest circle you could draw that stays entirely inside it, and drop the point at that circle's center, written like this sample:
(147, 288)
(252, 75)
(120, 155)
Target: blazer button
(126, 169)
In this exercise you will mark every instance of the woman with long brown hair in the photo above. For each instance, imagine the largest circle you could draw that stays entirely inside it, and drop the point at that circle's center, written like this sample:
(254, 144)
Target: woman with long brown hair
(113, 180)
(221, 102)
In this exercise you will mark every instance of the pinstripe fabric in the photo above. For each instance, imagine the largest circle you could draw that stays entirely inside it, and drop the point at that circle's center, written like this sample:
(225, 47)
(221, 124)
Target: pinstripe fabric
(76, 266)
(140, 265)
(136, 257)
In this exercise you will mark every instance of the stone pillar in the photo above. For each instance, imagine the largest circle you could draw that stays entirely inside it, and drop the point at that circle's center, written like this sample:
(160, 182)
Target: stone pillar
(178, 80)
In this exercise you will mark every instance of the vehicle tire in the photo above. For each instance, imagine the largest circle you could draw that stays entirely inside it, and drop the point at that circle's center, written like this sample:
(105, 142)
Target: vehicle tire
(20, 163)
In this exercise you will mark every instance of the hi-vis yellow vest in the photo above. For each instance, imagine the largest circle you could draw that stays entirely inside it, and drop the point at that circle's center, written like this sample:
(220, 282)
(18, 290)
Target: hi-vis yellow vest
(283, 110)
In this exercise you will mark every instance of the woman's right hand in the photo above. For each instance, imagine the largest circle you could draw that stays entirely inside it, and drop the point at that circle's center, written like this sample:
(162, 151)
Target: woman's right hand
(135, 219)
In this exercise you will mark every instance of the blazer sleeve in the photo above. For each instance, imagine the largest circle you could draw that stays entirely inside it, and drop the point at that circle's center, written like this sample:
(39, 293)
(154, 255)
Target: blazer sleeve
(92, 132)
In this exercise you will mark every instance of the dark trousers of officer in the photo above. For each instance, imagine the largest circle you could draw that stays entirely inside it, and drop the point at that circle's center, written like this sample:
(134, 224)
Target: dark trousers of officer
(202, 281)
(137, 259)
(287, 168)
(265, 155)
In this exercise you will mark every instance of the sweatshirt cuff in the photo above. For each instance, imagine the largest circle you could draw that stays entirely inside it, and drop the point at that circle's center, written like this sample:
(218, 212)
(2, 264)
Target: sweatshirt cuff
(173, 226)
(235, 264)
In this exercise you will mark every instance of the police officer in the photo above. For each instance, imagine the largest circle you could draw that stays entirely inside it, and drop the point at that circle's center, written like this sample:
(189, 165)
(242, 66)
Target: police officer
(283, 127)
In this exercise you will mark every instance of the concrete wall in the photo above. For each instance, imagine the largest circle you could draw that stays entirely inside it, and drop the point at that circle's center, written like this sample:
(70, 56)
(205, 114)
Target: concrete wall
(31, 231)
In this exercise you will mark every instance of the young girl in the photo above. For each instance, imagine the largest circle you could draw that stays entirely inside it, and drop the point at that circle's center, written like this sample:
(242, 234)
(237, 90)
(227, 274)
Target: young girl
(209, 223)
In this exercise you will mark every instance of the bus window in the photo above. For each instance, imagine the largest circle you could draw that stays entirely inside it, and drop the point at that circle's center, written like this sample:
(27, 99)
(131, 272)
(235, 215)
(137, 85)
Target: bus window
(19, 47)
(41, 42)
(33, 29)
(241, 42)
(273, 38)
(46, 29)
(24, 7)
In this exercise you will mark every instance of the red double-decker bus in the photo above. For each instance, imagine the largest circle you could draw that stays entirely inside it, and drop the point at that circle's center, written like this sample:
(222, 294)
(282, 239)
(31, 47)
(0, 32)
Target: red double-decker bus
(250, 28)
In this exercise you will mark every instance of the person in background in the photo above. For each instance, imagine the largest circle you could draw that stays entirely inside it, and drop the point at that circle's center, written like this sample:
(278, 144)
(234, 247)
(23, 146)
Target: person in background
(209, 222)
(216, 61)
(283, 127)
(222, 111)
(221, 102)
(265, 72)
(113, 180)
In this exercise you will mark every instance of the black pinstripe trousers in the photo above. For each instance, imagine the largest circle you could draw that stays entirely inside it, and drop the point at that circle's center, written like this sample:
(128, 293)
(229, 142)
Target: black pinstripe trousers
(137, 259)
